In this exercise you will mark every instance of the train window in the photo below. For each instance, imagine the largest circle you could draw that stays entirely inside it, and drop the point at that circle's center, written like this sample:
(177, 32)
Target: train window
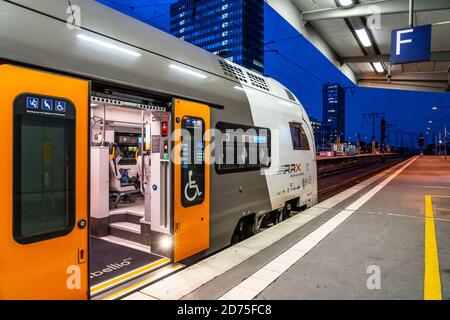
(44, 168)
(241, 148)
(128, 143)
(299, 137)
(192, 162)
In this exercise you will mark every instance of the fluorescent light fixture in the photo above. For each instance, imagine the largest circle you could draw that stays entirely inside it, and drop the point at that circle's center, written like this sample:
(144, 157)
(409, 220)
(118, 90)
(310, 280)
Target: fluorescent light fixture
(363, 37)
(346, 3)
(107, 45)
(428, 128)
(378, 67)
(434, 108)
(239, 88)
(441, 23)
(188, 71)
(430, 121)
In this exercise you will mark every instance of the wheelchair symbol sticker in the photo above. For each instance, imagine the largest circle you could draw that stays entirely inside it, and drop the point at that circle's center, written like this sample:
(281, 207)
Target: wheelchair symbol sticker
(191, 185)
(32, 103)
(60, 106)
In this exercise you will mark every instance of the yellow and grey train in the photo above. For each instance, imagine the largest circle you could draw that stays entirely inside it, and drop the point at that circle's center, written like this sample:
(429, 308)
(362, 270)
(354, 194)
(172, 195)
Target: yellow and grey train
(91, 115)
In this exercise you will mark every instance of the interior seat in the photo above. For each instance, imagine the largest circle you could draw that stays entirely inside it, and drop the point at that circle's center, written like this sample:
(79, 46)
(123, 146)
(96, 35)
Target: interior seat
(119, 185)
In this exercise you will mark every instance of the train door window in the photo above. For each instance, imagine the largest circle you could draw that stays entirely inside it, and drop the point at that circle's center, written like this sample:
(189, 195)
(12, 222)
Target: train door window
(299, 137)
(193, 161)
(44, 168)
(242, 148)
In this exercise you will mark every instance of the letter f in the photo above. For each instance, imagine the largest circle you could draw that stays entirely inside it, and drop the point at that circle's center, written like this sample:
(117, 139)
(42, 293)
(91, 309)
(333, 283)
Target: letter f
(400, 41)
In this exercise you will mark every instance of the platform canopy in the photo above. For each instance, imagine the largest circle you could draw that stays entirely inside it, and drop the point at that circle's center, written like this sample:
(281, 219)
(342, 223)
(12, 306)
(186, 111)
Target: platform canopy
(333, 29)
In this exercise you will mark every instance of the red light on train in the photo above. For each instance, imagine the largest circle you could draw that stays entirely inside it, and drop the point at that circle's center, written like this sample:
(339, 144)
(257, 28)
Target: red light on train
(164, 129)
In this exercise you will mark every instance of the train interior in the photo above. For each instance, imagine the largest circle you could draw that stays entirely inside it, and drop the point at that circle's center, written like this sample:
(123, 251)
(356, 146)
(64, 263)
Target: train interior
(130, 193)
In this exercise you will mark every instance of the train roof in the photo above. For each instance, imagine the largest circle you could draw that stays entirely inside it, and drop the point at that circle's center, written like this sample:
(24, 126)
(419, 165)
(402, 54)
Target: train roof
(108, 22)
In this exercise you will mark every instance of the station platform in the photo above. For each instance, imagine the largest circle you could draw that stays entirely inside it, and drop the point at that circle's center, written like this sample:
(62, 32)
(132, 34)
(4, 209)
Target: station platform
(385, 238)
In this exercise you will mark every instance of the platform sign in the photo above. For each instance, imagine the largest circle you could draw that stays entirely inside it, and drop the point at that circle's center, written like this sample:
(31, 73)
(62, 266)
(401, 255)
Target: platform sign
(411, 44)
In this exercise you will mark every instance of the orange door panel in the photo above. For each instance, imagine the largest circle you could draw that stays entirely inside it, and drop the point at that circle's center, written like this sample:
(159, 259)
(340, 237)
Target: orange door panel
(44, 163)
(191, 179)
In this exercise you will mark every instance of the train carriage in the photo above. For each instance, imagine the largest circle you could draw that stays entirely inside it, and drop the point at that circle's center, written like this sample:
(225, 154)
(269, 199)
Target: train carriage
(94, 161)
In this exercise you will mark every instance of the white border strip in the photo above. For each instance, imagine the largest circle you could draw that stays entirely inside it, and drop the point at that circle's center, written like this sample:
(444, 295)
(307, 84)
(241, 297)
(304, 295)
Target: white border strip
(260, 280)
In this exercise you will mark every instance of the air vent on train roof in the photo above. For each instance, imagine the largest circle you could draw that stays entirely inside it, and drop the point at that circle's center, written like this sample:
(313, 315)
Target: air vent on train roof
(232, 71)
(258, 81)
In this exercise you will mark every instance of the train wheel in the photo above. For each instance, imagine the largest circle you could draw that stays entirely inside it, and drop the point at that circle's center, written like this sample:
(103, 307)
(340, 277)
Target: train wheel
(278, 217)
(235, 238)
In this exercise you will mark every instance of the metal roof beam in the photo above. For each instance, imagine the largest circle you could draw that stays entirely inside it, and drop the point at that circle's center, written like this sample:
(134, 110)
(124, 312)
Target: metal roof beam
(370, 8)
(437, 56)
(442, 77)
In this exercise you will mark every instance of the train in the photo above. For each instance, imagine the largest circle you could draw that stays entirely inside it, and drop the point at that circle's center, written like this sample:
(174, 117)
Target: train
(96, 156)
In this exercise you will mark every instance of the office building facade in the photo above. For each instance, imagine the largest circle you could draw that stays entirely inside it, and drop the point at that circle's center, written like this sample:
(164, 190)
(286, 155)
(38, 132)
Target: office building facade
(334, 112)
(232, 29)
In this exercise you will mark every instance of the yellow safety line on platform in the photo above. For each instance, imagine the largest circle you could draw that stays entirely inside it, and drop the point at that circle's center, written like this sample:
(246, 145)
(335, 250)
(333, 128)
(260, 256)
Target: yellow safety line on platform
(138, 285)
(105, 285)
(432, 279)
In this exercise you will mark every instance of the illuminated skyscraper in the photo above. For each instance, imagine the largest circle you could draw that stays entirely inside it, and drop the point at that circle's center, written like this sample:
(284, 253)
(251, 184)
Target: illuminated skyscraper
(232, 29)
(334, 111)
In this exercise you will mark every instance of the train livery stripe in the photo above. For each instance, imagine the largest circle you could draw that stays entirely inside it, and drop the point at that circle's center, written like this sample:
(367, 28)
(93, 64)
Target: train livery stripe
(128, 276)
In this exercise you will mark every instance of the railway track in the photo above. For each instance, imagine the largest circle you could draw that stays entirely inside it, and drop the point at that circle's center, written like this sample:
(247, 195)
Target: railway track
(332, 182)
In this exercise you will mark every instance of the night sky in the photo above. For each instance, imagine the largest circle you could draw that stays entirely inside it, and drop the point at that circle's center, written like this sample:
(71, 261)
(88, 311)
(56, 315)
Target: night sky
(292, 60)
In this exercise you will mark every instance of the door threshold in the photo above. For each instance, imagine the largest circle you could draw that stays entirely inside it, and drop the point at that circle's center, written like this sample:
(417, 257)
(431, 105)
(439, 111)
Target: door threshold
(132, 286)
(109, 284)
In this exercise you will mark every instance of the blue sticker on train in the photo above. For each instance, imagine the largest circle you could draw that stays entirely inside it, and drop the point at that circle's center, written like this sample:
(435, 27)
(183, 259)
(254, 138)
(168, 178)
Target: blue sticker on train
(47, 105)
(60, 106)
(32, 103)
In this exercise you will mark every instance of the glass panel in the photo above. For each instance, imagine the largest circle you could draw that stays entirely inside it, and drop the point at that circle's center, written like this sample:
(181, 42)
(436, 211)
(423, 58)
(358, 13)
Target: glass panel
(242, 148)
(44, 173)
(299, 137)
(192, 162)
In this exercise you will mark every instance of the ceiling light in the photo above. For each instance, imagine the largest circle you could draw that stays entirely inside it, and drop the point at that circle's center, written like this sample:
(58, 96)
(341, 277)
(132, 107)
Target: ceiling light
(378, 67)
(441, 23)
(363, 37)
(429, 121)
(108, 45)
(188, 71)
(346, 3)
(434, 108)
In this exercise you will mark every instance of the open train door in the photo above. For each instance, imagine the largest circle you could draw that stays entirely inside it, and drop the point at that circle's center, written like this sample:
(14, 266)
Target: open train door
(44, 186)
(191, 179)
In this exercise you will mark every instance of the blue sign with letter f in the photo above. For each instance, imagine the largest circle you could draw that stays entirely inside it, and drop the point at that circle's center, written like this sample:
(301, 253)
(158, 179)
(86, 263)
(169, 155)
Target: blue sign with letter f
(411, 44)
